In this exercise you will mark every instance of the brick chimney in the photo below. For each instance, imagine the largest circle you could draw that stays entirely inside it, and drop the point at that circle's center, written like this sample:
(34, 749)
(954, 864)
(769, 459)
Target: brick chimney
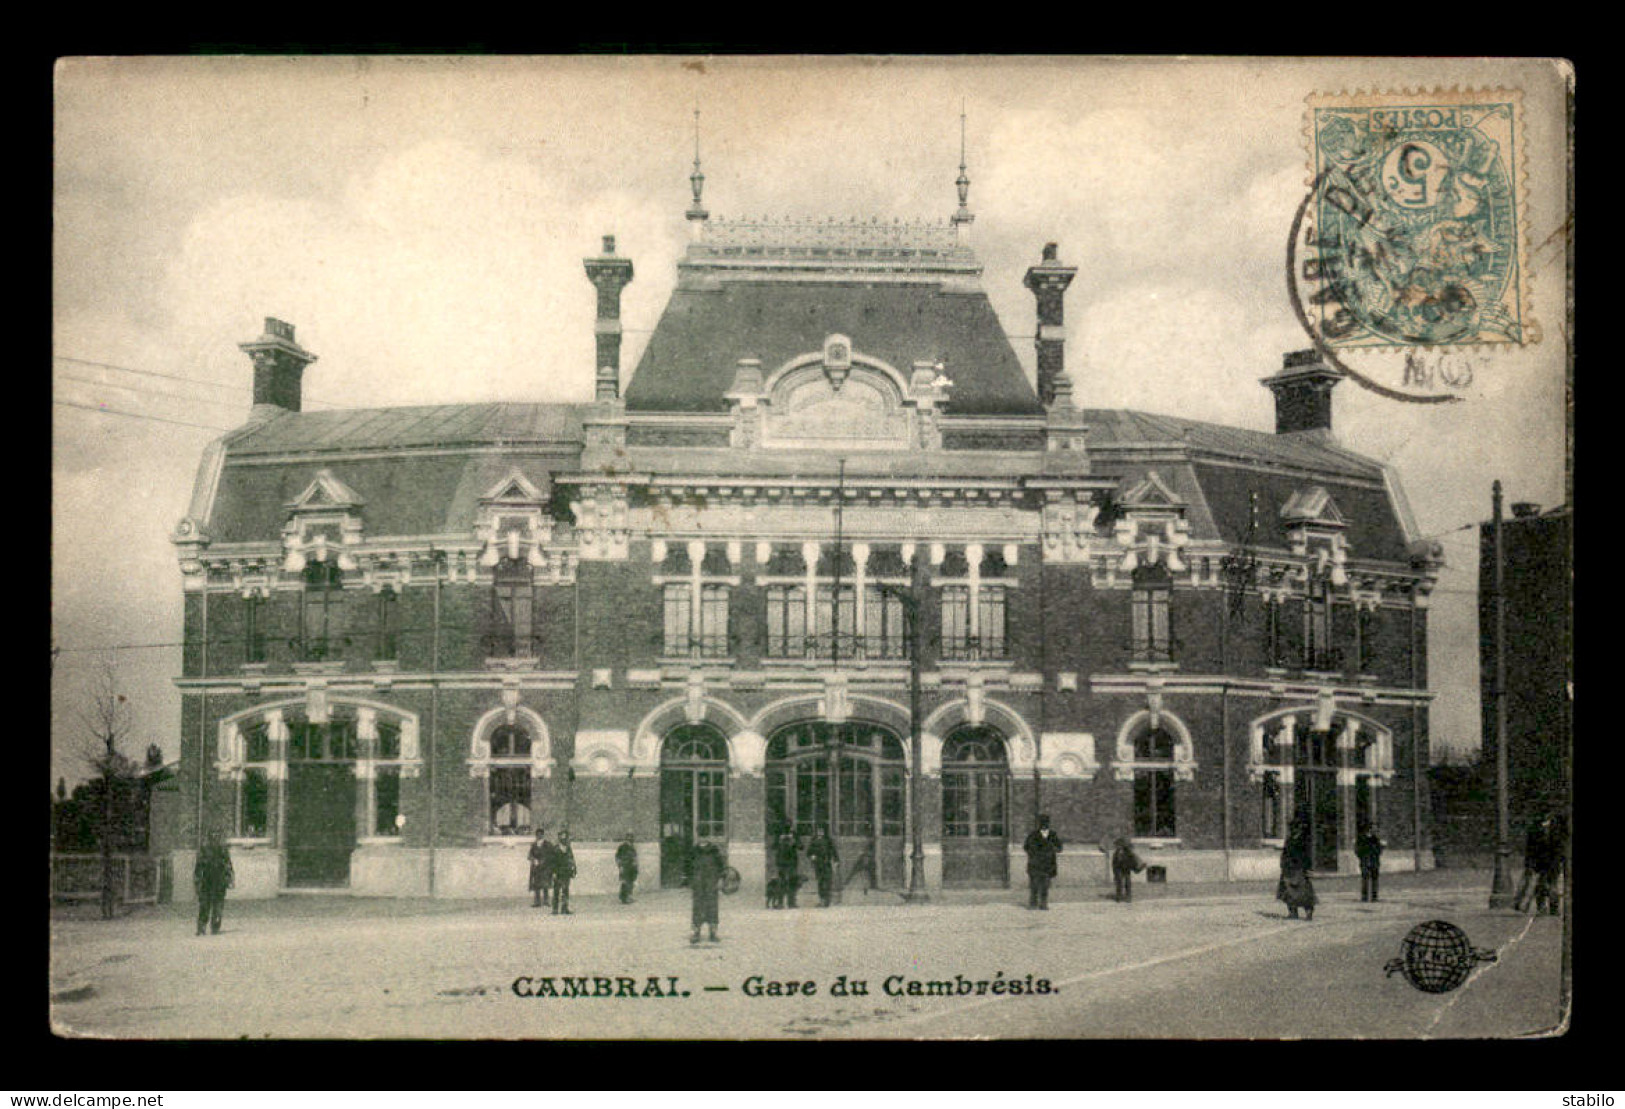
(1303, 393)
(609, 273)
(1048, 281)
(279, 364)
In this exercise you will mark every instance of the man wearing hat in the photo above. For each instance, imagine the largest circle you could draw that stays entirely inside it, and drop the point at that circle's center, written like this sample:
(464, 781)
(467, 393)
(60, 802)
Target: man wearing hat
(1042, 846)
(564, 868)
(542, 855)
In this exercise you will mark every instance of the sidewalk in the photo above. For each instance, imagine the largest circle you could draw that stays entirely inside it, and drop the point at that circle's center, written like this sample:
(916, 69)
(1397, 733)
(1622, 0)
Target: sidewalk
(339, 905)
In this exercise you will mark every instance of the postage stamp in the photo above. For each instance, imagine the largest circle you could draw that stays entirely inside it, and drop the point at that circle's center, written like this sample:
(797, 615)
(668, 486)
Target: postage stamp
(1417, 220)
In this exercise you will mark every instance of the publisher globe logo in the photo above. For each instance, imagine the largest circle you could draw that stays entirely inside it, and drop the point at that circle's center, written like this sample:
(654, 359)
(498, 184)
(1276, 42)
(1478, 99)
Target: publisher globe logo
(1436, 957)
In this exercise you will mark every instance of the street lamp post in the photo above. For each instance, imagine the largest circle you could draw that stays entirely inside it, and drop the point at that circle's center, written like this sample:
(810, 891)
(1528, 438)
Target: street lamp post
(1501, 884)
(911, 615)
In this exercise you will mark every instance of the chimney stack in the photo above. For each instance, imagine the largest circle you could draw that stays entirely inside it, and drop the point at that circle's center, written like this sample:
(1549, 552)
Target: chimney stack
(1303, 393)
(1048, 281)
(609, 273)
(279, 364)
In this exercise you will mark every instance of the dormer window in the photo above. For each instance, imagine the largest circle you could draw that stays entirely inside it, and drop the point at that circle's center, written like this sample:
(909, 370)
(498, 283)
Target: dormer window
(512, 523)
(324, 524)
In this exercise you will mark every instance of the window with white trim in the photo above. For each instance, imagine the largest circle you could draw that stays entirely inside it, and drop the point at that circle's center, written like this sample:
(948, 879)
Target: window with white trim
(508, 781)
(511, 625)
(973, 609)
(321, 612)
(386, 799)
(1153, 784)
(254, 788)
(1151, 609)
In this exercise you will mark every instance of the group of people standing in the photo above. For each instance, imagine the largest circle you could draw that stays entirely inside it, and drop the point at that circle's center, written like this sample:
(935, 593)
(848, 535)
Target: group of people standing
(786, 880)
(552, 866)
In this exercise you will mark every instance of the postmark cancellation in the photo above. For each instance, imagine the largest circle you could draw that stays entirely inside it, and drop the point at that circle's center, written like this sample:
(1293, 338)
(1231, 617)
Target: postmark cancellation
(1415, 233)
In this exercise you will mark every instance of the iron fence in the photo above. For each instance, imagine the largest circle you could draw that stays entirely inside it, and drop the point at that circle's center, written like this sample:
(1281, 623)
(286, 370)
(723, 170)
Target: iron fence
(136, 878)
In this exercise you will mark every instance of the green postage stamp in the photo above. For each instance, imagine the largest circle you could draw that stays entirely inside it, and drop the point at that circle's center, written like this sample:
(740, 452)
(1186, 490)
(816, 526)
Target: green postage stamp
(1417, 235)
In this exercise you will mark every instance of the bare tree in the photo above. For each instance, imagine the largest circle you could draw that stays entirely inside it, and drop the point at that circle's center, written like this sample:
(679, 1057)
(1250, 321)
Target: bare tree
(106, 719)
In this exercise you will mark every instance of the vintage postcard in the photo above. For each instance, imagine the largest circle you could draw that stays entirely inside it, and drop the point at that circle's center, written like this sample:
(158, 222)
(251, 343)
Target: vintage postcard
(791, 548)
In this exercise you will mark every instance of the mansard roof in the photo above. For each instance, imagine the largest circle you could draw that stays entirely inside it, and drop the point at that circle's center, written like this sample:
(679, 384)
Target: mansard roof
(417, 470)
(775, 290)
(437, 425)
(691, 357)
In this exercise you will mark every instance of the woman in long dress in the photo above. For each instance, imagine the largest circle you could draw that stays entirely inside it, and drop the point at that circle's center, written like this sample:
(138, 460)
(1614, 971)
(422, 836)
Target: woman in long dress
(1296, 888)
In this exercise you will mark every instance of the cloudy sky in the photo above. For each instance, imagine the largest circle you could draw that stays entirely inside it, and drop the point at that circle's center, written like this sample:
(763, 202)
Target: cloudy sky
(422, 223)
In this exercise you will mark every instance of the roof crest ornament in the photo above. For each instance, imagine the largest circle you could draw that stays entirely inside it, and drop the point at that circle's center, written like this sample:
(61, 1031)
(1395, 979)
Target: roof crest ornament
(697, 213)
(962, 218)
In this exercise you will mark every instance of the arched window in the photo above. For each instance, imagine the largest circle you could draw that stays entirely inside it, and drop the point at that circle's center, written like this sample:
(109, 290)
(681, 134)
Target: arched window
(693, 796)
(1271, 822)
(1153, 784)
(509, 781)
(975, 784)
(254, 789)
(869, 779)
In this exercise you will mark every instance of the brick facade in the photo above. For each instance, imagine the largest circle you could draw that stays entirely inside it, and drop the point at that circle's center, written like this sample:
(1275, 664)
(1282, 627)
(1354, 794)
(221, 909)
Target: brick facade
(1090, 593)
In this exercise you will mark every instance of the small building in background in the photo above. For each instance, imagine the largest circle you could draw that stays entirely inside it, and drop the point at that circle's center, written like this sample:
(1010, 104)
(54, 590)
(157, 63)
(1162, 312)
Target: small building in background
(1538, 576)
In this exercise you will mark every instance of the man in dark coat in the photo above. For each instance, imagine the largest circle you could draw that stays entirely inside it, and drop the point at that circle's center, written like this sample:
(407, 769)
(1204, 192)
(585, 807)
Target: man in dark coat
(1042, 846)
(1537, 853)
(824, 858)
(626, 861)
(213, 876)
(564, 868)
(1552, 858)
(704, 876)
(787, 861)
(1368, 847)
(542, 855)
(1125, 865)
(1295, 887)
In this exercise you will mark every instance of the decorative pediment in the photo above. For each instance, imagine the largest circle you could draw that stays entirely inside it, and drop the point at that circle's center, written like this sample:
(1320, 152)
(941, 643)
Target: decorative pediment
(324, 522)
(1153, 527)
(515, 489)
(837, 397)
(1151, 492)
(1313, 506)
(512, 523)
(326, 493)
(1315, 530)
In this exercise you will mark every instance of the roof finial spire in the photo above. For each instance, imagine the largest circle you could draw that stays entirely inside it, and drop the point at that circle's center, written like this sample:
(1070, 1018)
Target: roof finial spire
(963, 217)
(696, 179)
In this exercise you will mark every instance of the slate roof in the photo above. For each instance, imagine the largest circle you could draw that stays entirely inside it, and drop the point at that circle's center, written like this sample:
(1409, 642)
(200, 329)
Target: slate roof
(423, 491)
(691, 357)
(1114, 427)
(420, 426)
(1225, 465)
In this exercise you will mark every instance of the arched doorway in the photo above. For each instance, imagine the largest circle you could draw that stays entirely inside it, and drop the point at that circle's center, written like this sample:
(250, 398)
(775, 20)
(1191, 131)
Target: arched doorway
(693, 796)
(321, 832)
(975, 808)
(864, 809)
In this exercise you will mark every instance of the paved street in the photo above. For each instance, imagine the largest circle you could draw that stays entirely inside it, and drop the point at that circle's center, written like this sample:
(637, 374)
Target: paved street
(1181, 962)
